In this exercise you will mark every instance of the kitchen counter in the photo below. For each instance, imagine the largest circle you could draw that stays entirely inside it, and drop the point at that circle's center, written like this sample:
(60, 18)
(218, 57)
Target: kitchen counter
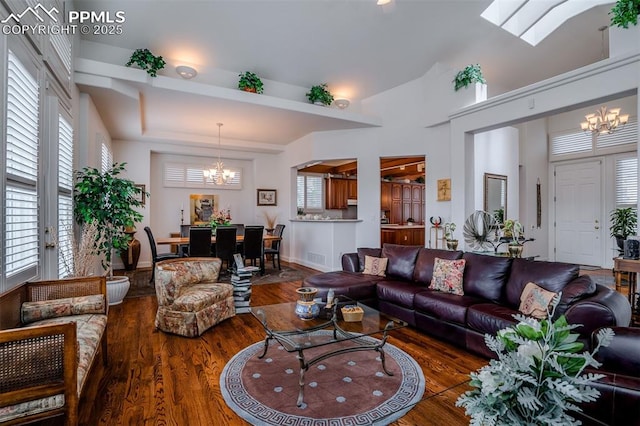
(391, 227)
(325, 220)
(320, 243)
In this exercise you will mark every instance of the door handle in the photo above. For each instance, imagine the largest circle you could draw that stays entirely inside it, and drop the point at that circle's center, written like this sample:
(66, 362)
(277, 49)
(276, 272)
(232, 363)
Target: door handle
(596, 227)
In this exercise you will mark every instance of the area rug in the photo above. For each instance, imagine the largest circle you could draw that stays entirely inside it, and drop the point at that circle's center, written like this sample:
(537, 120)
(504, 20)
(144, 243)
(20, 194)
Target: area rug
(347, 389)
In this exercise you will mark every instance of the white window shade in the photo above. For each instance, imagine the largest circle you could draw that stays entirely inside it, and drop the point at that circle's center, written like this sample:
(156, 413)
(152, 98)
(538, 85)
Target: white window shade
(65, 154)
(65, 195)
(626, 136)
(106, 157)
(65, 226)
(310, 192)
(180, 175)
(21, 252)
(626, 182)
(571, 143)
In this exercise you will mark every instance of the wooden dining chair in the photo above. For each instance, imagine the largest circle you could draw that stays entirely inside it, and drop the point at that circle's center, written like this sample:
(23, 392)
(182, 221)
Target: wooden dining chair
(253, 246)
(274, 250)
(226, 244)
(200, 241)
(155, 257)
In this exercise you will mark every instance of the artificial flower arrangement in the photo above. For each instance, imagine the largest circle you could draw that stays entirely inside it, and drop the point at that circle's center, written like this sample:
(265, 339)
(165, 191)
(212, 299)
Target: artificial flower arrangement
(220, 217)
(538, 377)
(514, 229)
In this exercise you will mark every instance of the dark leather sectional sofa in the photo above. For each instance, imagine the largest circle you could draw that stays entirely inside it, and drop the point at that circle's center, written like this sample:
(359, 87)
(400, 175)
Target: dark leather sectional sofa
(492, 288)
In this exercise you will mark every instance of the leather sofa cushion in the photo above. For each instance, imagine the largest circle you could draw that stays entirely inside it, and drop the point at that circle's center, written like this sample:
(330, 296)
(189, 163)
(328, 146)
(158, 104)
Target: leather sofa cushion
(576, 290)
(620, 356)
(485, 276)
(402, 260)
(423, 270)
(398, 292)
(444, 306)
(489, 318)
(364, 251)
(552, 276)
(354, 285)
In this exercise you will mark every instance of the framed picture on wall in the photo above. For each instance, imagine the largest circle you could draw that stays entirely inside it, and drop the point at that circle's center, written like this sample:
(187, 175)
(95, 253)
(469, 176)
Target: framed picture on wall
(142, 195)
(201, 208)
(267, 197)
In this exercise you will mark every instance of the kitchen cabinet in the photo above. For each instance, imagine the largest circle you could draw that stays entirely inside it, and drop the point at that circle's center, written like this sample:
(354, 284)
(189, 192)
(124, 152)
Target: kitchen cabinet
(403, 201)
(408, 236)
(385, 196)
(336, 193)
(352, 189)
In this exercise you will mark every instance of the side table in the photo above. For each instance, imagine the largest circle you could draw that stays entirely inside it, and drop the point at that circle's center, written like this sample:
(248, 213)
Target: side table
(631, 266)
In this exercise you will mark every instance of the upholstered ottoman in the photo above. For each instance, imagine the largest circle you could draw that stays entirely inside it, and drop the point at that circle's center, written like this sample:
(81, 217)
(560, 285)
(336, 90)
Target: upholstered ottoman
(353, 285)
(190, 300)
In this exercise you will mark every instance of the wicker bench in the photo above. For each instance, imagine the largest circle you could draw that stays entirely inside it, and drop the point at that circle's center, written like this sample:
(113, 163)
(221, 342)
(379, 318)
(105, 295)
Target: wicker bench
(45, 363)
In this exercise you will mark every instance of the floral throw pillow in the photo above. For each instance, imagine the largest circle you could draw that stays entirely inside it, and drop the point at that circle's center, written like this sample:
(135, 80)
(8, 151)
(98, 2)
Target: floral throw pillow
(375, 265)
(535, 300)
(447, 276)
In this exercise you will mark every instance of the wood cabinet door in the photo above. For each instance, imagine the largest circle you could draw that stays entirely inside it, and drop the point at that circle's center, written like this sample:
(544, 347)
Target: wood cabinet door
(417, 212)
(396, 191)
(407, 211)
(352, 189)
(416, 193)
(406, 192)
(418, 237)
(336, 194)
(387, 236)
(395, 215)
(385, 196)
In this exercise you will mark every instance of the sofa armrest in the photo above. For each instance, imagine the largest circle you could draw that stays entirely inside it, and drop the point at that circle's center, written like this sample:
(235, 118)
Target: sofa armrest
(68, 287)
(621, 356)
(350, 262)
(40, 362)
(604, 308)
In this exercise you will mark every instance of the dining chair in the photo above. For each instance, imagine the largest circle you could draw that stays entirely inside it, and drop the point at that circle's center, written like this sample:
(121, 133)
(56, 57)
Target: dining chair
(200, 241)
(226, 244)
(253, 246)
(155, 257)
(183, 249)
(274, 250)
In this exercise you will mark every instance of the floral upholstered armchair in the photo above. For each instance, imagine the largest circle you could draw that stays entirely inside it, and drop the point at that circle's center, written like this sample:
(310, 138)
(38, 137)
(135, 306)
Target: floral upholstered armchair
(190, 300)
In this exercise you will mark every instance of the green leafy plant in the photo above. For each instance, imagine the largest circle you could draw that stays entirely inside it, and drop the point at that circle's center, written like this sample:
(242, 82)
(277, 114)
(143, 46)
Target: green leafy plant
(321, 94)
(110, 201)
(147, 61)
(514, 229)
(250, 82)
(470, 74)
(538, 378)
(449, 227)
(625, 12)
(624, 222)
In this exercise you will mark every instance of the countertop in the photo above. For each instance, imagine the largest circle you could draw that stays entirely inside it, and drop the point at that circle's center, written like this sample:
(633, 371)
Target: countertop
(326, 220)
(391, 227)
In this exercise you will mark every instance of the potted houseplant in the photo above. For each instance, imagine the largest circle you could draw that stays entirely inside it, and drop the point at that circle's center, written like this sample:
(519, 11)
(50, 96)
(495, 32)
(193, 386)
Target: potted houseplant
(147, 61)
(538, 377)
(220, 218)
(110, 201)
(250, 82)
(514, 230)
(625, 12)
(320, 95)
(449, 227)
(470, 74)
(624, 221)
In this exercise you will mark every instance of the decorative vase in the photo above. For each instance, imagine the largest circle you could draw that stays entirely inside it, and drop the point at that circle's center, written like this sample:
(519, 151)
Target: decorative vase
(250, 89)
(515, 250)
(131, 255)
(452, 244)
(117, 288)
(306, 307)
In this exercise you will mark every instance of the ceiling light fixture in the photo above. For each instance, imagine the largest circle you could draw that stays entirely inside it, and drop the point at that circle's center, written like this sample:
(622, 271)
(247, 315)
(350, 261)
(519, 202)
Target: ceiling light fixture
(604, 122)
(219, 175)
(342, 103)
(186, 72)
(383, 2)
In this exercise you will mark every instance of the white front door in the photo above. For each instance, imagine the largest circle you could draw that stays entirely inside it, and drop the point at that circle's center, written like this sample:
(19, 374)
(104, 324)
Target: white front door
(578, 211)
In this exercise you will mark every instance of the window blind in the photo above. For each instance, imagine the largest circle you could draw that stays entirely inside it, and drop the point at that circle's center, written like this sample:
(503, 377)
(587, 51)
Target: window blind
(627, 135)
(106, 157)
(571, 143)
(181, 175)
(65, 195)
(21, 209)
(626, 182)
(309, 192)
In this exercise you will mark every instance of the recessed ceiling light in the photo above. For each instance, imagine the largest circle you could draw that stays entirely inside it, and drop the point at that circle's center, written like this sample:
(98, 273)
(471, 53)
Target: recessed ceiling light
(186, 72)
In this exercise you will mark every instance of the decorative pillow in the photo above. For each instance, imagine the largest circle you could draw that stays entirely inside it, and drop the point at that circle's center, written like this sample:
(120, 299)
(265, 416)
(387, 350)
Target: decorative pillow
(36, 311)
(535, 301)
(375, 265)
(447, 275)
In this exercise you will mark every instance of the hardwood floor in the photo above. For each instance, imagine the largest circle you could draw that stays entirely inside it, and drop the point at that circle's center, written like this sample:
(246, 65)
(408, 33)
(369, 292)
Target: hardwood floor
(154, 378)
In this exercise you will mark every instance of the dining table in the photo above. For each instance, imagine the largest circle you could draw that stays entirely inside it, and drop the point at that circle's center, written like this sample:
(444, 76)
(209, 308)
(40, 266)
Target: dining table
(184, 241)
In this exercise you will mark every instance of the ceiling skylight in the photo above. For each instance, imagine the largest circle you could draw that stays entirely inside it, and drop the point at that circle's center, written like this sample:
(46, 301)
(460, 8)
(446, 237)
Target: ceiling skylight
(533, 20)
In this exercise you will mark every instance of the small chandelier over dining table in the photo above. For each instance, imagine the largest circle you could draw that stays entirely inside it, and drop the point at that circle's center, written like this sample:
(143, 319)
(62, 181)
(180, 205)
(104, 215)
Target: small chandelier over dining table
(603, 121)
(219, 175)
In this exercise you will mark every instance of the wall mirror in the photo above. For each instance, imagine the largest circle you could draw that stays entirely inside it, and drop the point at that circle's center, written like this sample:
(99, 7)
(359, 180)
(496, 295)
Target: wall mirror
(495, 196)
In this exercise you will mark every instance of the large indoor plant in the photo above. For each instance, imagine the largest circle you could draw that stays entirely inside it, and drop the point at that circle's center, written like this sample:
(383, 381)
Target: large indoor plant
(624, 222)
(111, 202)
(470, 74)
(625, 12)
(147, 61)
(320, 95)
(250, 82)
(538, 377)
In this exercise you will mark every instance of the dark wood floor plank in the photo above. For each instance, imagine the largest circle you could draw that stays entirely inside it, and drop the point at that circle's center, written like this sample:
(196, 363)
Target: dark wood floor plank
(155, 378)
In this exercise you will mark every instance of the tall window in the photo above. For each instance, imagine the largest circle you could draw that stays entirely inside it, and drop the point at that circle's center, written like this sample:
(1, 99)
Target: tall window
(21, 258)
(106, 156)
(65, 192)
(310, 192)
(627, 182)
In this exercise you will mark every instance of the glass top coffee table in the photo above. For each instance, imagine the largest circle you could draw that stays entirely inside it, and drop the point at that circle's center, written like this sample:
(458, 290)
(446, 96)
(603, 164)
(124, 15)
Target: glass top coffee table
(281, 323)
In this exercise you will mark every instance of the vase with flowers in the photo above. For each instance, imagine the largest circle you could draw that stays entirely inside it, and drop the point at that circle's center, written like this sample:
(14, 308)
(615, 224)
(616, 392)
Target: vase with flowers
(538, 377)
(220, 218)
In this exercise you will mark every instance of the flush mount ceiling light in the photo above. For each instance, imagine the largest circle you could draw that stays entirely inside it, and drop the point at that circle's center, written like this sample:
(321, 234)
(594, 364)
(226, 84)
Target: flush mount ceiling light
(186, 72)
(604, 122)
(383, 2)
(533, 20)
(219, 175)
(342, 103)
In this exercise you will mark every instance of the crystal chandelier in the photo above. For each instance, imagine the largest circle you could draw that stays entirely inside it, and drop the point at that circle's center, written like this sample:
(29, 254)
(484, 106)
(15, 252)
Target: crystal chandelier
(604, 121)
(219, 175)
